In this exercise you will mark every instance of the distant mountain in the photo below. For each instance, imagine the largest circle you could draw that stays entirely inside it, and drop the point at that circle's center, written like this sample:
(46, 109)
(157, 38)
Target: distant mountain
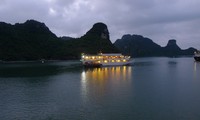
(139, 46)
(66, 38)
(97, 40)
(94, 41)
(33, 40)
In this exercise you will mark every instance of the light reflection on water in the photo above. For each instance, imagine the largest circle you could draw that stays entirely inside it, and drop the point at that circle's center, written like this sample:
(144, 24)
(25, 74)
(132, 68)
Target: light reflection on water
(196, 69)
(97, 80)
(116, 73)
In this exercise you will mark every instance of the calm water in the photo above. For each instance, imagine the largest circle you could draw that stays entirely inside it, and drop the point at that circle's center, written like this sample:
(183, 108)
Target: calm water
(150, 89)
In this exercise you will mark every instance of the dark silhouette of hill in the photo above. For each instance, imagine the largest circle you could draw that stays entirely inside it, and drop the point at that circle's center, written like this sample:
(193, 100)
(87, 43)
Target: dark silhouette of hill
(97, 40)
(139, 46)
(33, 40)
(66, 38)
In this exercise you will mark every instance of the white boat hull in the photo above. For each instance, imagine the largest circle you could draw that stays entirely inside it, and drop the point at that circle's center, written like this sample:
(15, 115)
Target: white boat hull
(117, 63)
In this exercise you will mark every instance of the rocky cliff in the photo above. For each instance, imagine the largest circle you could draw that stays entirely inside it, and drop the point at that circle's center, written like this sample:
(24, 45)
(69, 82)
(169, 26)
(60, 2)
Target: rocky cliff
(139, 46)
(33, 40)
(97, 40)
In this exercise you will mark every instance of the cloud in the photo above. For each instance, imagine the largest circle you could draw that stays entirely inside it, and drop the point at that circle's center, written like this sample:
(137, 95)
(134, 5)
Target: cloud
(159, 20)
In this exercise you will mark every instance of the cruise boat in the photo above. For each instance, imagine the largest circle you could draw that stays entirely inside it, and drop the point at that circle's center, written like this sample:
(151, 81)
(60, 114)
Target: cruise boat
(197, 56)
(110, 59)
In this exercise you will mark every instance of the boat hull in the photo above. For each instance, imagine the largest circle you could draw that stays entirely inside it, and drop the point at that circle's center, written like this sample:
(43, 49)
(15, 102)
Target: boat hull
(117, 64)
(92, 65)
(106, 64)
(197, 58)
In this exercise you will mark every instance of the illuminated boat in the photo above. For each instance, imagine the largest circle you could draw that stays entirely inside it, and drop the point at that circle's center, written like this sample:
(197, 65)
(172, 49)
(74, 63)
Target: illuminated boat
(111, 59)
(197, 56)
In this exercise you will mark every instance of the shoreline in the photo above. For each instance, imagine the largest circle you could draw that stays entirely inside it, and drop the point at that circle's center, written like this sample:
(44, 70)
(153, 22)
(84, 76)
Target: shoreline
(44, 60)
(35, 61)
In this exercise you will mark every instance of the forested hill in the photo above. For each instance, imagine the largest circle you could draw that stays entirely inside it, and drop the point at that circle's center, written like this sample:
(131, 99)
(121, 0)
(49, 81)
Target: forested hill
(33, 40)
(97, 40)
(139, 46)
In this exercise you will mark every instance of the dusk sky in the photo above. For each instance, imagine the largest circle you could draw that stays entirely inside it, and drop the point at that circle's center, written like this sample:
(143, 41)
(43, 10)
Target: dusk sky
(159, 20)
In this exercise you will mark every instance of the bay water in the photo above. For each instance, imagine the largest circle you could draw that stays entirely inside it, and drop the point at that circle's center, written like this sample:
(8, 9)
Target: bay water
(157, 88)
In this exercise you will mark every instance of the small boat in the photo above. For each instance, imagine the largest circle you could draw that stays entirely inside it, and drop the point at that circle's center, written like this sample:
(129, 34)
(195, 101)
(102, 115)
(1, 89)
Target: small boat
(109, 59)
(197, 56)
